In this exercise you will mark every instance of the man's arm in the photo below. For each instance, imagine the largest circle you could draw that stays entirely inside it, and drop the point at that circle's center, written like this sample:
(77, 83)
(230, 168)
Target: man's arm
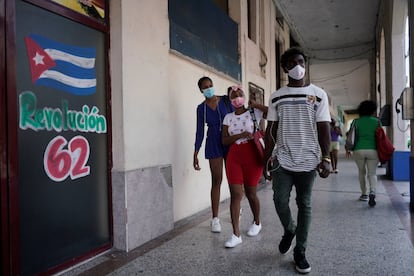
(261, 107)
(324, 138)
(270, 141)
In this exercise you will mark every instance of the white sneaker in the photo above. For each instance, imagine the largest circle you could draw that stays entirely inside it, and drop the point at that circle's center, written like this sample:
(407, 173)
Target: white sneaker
(254, 229)
(215, 225)
(233, 241)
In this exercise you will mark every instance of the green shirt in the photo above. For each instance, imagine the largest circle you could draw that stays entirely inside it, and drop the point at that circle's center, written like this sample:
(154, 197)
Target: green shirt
(366, 127)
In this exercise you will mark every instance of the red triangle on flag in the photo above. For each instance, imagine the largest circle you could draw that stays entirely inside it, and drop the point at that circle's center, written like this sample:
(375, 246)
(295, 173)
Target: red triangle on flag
(39, 60)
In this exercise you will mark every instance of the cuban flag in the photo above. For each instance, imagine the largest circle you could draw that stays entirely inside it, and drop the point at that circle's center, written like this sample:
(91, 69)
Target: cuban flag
(64, 67)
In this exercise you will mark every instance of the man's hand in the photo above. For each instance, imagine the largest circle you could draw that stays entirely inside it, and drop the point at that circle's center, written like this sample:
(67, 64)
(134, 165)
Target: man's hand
(324, 168)
(267, 168)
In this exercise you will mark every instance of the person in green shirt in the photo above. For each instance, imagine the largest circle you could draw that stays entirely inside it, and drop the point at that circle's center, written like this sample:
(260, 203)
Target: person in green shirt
(365, 151)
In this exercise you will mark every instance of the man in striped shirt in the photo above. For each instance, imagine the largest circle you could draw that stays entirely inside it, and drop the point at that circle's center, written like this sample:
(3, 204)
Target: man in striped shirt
(297, 147)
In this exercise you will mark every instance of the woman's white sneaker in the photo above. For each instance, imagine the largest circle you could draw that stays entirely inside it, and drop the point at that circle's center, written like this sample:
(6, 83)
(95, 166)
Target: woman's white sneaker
(233, 241)
(254, 229)
(215, 225)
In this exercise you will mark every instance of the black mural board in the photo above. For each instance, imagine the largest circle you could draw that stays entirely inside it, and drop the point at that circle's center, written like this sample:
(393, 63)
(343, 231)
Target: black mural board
(64, 217)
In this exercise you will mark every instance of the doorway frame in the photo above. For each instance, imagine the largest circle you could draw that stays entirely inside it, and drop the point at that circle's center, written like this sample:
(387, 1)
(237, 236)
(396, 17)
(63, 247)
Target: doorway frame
(9, 194)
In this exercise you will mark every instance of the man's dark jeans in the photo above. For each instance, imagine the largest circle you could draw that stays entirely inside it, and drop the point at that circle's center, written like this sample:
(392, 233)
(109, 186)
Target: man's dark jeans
(283, 181)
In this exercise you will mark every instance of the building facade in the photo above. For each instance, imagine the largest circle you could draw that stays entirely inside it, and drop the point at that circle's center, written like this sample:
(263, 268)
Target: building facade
(100, 156)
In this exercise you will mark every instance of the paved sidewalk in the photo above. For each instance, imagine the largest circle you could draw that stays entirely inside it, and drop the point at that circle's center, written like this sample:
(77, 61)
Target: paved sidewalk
(347, 237)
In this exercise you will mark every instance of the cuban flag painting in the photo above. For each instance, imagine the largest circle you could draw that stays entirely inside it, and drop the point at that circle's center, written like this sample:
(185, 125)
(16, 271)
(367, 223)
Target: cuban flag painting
(64, 67)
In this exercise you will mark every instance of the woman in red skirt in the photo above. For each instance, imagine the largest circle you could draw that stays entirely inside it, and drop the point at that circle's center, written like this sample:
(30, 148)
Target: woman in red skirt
(243, 167)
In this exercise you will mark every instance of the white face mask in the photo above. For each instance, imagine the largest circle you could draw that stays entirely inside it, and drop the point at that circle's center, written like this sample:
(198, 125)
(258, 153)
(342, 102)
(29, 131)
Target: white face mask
(297, 72)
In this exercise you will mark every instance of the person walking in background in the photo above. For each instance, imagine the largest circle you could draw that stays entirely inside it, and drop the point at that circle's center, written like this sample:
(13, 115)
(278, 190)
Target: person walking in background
(334, 148)
(243, 168)
(365, 150)
(211, 112)
(298, 125)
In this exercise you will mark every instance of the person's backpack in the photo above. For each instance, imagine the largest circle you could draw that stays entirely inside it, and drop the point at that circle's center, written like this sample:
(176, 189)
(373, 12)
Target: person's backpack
(385, 149)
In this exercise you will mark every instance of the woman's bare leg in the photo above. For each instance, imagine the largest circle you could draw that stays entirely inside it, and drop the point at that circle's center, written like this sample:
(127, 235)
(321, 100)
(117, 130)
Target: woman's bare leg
(236, 195)
(216, 168)
(253, 202)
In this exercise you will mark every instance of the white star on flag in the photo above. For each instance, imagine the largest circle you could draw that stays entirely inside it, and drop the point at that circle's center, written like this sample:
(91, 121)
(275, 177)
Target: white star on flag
(38, 59)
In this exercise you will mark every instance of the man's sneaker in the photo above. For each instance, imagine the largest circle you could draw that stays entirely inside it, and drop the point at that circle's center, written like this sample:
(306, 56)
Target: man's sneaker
(371, 201)
(215, 225)
(302, 265)
(254, 229)
(233, 241)
(363, 198)
(285, 244)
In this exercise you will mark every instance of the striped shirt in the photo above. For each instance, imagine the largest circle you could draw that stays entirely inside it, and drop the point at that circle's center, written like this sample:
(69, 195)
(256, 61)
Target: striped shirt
(297, 110)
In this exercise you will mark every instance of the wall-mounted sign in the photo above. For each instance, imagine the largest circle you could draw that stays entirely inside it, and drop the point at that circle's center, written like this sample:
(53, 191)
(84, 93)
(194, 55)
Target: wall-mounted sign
(92, 8)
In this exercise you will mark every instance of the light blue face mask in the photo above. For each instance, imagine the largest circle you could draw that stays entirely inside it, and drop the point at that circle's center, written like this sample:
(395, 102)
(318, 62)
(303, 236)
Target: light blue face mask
(208, 92)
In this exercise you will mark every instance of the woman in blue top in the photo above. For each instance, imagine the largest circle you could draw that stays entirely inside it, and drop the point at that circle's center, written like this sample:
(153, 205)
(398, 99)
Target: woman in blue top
(211, 112)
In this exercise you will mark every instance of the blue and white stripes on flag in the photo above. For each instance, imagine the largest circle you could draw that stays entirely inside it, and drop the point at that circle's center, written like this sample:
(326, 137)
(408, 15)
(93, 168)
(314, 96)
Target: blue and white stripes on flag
(61, 66)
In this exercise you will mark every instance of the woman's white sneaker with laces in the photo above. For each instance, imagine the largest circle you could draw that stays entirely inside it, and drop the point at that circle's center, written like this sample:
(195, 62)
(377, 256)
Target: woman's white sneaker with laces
(233, 241)
(254, 229)
(215, 225)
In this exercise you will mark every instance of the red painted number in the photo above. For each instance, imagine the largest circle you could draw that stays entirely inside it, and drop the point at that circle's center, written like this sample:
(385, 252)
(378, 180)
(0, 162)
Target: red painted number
(59, 163)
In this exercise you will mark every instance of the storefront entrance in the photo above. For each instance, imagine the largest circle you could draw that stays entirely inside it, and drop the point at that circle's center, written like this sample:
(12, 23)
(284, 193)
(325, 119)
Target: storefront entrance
(55, 134)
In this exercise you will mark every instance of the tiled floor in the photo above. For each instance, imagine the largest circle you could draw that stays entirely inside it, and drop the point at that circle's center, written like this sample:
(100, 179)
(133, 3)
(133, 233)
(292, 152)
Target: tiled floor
(347, 237)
